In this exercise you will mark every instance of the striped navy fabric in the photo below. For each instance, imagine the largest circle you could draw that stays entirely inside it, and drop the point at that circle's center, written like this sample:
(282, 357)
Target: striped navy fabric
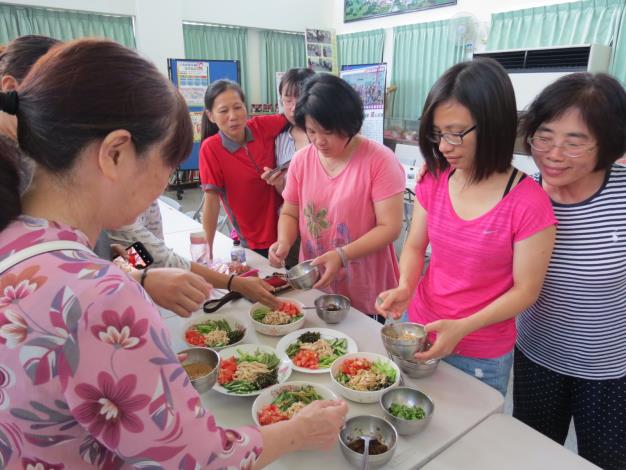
(578, 325)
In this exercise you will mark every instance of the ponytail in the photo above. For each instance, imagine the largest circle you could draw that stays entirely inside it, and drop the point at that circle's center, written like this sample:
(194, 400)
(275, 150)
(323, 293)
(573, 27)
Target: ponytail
(8, 102)
(10, 204)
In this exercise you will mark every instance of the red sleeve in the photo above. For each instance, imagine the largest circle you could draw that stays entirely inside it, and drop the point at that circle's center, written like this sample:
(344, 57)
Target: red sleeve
(270, 125)
(533, 213)
(211, 176)
(387, 174)
(426, 187)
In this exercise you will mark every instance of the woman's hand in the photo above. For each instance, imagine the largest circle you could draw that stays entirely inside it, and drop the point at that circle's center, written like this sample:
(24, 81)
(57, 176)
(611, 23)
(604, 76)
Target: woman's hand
(118, 250)
(319, 423)
(180, 291)
(419, 174)
(278, 253)
(449, 333)
(276, 179)
(394, 302)
(331, 261)
(255, 289)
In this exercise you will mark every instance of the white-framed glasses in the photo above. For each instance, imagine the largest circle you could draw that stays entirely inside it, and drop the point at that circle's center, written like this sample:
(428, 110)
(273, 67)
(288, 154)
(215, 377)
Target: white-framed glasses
(568, 149)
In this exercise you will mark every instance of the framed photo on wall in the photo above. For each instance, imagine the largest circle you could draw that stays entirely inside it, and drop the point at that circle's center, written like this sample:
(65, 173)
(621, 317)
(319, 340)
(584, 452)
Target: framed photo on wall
(357, 10)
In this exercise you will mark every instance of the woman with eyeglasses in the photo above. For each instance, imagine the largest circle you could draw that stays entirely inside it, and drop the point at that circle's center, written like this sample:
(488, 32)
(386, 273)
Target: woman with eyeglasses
(490, 228)
(570, 358)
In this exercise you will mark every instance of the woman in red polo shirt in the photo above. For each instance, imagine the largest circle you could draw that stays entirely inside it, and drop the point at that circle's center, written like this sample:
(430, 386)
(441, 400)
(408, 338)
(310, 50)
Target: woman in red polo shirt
(232, 159)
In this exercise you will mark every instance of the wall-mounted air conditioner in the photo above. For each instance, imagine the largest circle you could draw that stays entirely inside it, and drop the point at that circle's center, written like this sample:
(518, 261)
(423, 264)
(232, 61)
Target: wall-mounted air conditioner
(531, 70)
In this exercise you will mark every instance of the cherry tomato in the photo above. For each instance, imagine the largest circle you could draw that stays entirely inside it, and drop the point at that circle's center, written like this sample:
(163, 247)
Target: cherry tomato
(271, 414)
(307, 358)
(352, 367)
(194, 337)
(228, 367)
(289, 308)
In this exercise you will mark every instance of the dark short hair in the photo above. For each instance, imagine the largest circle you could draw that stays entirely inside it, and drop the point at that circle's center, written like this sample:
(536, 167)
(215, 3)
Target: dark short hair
(333, 103)
(83, 90)
(601, 101)
(293, 81)
(11, 205)
(214, 90)
(484, 88)
(21, 53)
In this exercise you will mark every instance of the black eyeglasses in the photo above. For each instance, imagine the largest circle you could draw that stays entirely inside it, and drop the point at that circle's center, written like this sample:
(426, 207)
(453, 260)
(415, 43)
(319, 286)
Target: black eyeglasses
(453, 138)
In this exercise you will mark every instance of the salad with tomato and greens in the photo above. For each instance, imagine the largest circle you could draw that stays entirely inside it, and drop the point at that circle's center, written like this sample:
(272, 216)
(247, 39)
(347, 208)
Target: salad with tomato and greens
(248, 372)
(285, 313)
(366, 376)
(289, 401)
(311, 351)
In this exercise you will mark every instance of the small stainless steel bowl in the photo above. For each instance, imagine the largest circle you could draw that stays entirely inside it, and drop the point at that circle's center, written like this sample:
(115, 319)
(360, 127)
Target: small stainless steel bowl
(303, 276)
(368, 425)
(404, 348)
(410, 397)
(340, 306)
(415, 369)
(205, 356)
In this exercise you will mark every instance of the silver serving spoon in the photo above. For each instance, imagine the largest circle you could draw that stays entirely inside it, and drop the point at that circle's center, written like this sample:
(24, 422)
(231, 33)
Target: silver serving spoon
(366, 452)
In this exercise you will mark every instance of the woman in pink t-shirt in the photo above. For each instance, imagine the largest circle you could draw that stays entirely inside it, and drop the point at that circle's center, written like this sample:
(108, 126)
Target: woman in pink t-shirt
(490, 228)
(344, 195)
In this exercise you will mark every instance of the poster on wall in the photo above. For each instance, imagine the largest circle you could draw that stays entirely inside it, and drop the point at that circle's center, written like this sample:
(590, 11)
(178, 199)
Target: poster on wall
(321, 50)
(357, 10)
(369, 82)
(193, 80)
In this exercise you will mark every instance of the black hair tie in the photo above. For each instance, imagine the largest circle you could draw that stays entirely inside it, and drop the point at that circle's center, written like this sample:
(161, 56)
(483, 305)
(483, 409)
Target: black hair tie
(8, 102)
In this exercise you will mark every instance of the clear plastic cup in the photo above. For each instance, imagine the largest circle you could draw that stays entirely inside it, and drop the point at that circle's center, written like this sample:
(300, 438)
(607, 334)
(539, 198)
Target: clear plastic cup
(199, 248)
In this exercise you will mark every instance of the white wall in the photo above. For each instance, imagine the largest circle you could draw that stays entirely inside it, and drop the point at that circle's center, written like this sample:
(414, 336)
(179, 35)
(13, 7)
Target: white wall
(158, 23)
(480, 8)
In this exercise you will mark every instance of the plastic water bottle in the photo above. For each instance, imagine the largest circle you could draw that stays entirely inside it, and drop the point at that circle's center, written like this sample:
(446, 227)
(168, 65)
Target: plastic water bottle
(199, 248)
(238, 253)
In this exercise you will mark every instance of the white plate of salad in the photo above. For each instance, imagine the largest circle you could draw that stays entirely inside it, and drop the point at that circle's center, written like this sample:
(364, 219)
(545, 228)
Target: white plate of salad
(364, 376)
(281, 402)
(313, 350)
(247, 369)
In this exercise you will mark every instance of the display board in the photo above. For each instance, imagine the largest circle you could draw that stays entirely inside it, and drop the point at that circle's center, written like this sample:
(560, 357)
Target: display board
(192, 77)
(369, 82)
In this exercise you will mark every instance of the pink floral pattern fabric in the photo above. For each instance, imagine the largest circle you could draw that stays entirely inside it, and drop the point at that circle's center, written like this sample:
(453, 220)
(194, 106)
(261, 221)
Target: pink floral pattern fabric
(88, 378)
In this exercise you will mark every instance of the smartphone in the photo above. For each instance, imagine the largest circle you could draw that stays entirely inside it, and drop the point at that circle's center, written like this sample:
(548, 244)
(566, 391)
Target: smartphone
(138, 257)
(283, 167)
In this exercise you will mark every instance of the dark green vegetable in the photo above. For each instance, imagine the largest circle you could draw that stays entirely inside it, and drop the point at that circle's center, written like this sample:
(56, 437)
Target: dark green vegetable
(267, 379)
(309, 337)
(407, 412)
(235, 336)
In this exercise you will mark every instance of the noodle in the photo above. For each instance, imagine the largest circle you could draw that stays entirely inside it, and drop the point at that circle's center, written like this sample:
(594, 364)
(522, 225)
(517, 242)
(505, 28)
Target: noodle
(248, 371)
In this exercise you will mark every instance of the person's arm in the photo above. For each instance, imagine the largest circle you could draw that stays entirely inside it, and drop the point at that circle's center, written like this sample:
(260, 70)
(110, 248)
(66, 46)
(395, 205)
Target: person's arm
(287, 234)
(132, 373)
(315, 427)
(395, 301)
(277, 179)
(531, 257)
(388, 225)
(210, 214)
(252, 288)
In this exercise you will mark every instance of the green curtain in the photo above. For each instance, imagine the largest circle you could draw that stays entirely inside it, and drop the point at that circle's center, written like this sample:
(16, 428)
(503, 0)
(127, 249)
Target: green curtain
(217, 43)
(279, 53)
(361, 48)
(618, 64)
(9, 28)
(421, 53)
(585, 22)
(63, 24)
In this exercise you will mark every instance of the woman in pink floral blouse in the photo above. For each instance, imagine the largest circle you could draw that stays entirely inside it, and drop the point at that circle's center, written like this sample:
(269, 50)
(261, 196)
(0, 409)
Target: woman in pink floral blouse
(87, 372)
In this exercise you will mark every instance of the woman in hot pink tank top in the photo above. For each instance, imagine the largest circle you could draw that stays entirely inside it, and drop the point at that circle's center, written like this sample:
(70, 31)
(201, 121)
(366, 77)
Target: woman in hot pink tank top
(490, 228)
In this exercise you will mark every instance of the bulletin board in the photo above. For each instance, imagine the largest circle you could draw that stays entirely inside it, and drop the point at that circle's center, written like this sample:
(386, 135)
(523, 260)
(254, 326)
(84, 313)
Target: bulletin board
(192, 77)
(369, 81)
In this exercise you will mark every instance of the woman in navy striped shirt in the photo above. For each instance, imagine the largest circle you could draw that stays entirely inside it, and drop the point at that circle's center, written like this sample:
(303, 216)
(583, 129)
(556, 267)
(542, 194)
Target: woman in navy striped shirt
(570, 360)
